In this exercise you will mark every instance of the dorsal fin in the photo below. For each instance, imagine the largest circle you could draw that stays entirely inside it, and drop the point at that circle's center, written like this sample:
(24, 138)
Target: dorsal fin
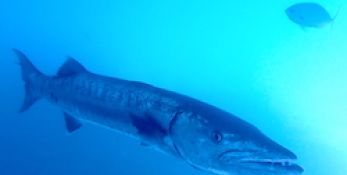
(71, 67)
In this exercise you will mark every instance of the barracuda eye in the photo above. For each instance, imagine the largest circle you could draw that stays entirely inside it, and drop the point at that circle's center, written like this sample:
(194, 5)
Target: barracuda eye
(216, 137)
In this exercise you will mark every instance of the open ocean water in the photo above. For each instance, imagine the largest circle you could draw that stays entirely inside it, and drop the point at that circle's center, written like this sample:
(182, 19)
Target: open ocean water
(245, 57)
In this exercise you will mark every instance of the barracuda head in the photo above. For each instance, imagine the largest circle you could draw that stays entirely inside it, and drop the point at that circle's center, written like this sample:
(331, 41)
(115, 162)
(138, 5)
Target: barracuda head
(221, 143)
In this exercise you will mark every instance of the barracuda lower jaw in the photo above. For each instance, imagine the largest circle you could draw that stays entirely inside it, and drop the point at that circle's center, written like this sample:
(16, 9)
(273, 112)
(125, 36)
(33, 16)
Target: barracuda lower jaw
(278, 162)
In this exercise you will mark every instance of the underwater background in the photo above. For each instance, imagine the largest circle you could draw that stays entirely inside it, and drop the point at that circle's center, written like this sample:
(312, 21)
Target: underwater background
(245, 57)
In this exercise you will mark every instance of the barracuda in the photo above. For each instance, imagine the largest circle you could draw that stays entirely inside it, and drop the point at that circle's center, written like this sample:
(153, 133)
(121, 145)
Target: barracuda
(206, 137)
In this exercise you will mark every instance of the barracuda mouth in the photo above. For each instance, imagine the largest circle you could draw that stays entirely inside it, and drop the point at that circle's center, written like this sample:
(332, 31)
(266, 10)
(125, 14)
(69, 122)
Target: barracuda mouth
(242, 159)
(273, 165)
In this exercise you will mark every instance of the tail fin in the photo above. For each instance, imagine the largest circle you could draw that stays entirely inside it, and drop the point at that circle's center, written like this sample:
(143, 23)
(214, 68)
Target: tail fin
(31, 77)
(333, 19)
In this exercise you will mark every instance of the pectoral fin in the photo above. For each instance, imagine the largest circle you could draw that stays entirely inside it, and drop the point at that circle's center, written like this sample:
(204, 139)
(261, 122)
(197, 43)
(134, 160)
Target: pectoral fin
(148, 128)
(71, 123)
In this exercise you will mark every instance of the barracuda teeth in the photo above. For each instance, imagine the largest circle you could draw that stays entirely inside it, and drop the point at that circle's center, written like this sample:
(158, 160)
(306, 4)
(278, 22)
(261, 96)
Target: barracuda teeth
(287, 163)
(280, 162)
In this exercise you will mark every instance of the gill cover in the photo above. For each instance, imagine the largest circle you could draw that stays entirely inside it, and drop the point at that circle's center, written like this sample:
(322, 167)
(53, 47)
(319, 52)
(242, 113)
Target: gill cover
(191, 136)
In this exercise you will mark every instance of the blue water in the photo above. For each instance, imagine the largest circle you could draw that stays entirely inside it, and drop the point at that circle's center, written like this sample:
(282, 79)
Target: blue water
(245, 57)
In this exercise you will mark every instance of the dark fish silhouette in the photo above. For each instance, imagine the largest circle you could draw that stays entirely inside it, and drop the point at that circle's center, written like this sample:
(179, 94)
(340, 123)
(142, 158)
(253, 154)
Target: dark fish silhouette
(309, 15)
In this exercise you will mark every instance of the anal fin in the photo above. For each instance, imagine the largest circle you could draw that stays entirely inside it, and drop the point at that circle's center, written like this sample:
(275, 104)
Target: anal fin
(71, 123)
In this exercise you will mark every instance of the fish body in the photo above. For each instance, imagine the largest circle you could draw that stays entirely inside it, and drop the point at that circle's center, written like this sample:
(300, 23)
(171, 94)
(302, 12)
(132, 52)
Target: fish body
(309, 15)
(206, 137)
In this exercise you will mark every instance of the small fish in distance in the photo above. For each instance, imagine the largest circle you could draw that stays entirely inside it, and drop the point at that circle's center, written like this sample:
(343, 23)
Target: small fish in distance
(309, 14)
